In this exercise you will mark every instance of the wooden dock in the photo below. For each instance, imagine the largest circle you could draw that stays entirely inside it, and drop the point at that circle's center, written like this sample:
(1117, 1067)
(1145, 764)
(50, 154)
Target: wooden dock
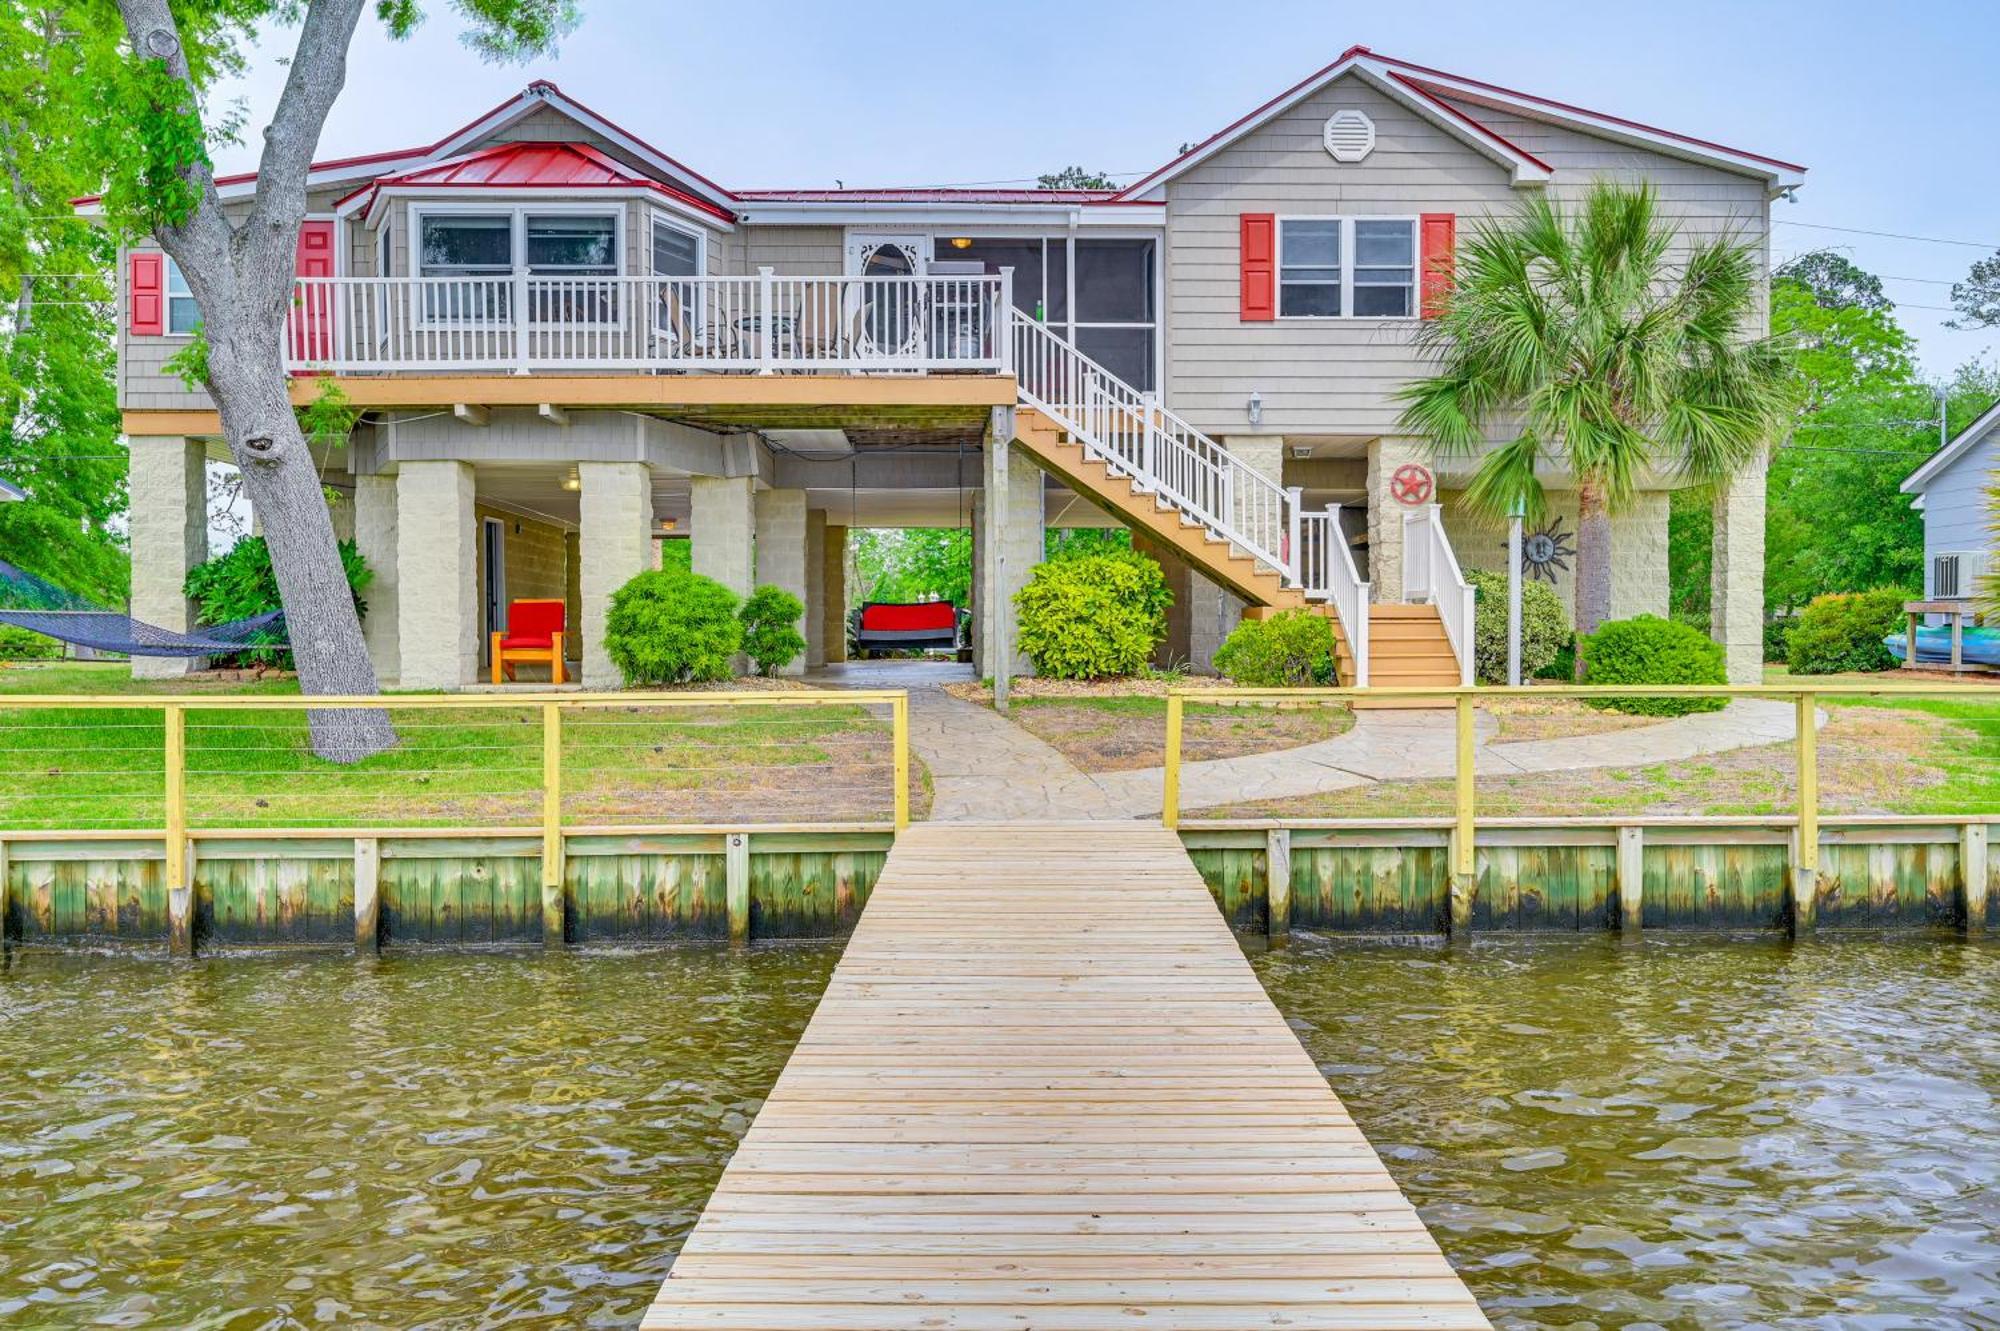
(1044, 1090)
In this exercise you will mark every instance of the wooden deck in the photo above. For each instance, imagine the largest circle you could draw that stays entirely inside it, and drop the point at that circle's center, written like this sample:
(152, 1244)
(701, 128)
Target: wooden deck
(1044, 1090)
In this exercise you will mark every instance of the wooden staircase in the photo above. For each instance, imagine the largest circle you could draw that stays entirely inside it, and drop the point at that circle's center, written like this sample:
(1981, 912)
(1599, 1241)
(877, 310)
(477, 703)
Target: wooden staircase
(1408, 646)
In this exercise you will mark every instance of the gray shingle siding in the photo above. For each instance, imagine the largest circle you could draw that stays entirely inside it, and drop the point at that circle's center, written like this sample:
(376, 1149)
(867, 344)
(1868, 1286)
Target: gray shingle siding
(1958, 509)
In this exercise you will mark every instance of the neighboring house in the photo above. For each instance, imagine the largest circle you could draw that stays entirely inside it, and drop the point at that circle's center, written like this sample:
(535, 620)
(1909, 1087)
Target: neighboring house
(1954, 492)
(570, 345)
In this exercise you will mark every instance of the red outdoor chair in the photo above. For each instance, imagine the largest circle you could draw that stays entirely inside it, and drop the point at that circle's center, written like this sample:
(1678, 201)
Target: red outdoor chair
(535, 635)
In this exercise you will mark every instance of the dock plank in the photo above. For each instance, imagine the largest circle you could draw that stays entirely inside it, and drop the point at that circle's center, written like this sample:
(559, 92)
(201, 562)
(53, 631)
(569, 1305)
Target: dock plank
(1044, 1090)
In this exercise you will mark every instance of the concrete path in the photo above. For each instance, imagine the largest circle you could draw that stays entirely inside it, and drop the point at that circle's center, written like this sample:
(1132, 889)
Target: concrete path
(984, 767)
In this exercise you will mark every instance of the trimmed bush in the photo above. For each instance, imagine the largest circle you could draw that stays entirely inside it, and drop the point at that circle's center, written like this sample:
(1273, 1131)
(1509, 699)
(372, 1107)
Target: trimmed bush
(1291, 649)
(1088, 616)
(771, 636)
(1545, 629)
(1843, 631)
(1778, 640)
(18, 644)
(670, 627)
(241, 584)
(1650, 650)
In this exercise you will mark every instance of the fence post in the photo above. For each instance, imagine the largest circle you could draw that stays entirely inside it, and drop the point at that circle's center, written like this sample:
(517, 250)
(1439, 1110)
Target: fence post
(553, 931)
(1277, 882)
(1464, 857)
(1003, 322)
(899, 725)
(180, 884)
(1631, 881)
(736, 884)
(6, 898)
(1170, 784)
(367, 895)
(767, 320)
(520, 322)
(1294, 520)
(1805, 845)
(1973, 868)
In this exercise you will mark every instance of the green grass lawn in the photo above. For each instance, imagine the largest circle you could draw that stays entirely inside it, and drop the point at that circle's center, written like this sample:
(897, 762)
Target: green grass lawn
(102, 767)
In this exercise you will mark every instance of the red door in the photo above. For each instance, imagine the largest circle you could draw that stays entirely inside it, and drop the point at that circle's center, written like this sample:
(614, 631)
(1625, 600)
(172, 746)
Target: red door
(311, 329)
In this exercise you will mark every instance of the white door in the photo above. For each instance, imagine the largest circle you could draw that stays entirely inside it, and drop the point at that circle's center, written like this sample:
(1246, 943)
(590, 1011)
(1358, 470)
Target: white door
(890, 316)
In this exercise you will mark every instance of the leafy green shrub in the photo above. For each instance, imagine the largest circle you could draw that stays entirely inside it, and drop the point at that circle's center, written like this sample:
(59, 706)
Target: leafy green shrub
(1778, 639)
(771, 634)
(240, 584)
(1650, 650)
(1087, 616)
(1545, 629)
(1844, 631)
(27, 645)
(666, 626)
(1291, 649)
(1561, 666)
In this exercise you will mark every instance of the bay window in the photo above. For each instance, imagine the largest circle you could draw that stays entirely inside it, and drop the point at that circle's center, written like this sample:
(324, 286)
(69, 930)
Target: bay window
(1347, 267)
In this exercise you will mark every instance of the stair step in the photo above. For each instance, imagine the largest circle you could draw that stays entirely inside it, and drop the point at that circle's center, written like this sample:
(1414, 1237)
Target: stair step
(1397, 610)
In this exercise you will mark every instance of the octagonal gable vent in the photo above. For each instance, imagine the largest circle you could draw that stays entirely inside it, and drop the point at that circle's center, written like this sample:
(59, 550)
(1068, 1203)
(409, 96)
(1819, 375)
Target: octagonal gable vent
(1350, 136)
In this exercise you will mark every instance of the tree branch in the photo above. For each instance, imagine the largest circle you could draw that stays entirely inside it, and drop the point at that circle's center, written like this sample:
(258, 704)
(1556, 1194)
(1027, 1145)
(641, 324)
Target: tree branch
(318, 72)
(204, 235)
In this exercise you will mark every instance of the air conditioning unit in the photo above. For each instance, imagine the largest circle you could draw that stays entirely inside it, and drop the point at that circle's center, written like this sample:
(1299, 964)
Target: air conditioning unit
(1955, 574)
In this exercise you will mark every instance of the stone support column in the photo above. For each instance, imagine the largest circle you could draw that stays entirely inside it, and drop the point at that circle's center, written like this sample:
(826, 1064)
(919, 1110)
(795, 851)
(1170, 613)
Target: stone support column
(723, 530)
(615, 545)
(1736, 616)
(1010, 538)
(374, 511)
(781, 547)
(437, 593)
(169, 535)
(815, 597)
(1639, 557)
(833, 604)
(1385, 515)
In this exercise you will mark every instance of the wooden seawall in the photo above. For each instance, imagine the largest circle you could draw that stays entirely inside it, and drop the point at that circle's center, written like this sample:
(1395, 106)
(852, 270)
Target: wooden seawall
(1044, 1090)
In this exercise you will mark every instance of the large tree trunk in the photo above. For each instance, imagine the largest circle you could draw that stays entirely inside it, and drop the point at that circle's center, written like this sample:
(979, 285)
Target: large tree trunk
(241, 276)
(1593, 560)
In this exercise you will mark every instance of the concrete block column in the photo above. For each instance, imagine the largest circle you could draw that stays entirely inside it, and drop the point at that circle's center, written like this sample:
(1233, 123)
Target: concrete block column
(1385, 515)
(722, 529)
(1736, 617)
(169, 535)
(833, 584)
(781, 547)
(1263, 454)
(1009, 539)
(437, 593)
(815, 597)
(1639, 558)
(614, 545)
(374, 514)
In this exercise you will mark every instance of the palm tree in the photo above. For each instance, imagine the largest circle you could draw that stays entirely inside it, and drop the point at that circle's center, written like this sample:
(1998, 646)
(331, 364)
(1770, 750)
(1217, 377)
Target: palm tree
(1607, 352)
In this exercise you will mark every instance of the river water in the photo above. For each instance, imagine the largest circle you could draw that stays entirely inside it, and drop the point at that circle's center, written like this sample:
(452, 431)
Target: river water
(439, 1141)
(1682, 1133)
(1685, 1133)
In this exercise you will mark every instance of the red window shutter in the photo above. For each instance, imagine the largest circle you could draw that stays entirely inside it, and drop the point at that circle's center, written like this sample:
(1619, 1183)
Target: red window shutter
(1260, 266)
(1439, 245)
(146, 294)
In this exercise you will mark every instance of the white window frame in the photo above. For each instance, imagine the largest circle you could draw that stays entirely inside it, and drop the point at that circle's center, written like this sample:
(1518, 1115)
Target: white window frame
(517, 211)
(656, 218)
(169, 270)
(1348, 265)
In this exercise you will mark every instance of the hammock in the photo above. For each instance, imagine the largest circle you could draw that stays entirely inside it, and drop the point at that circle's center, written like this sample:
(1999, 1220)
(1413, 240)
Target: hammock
(109, 631)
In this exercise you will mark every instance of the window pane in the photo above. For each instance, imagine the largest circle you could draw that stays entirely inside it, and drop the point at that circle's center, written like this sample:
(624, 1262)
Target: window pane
(1313, 299)
(572, 245)
(1023, 256)
(676, 253)
(1384, 243)
(1058, 281)
(1311, 275)
(1114, 281)
(176, 284)
(182, 315)
(466, 244)
(1390, 302)
(1126, 352)
(1309, 243)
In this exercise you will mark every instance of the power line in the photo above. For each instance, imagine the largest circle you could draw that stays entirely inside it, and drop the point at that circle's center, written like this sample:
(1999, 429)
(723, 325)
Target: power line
(1888, 235)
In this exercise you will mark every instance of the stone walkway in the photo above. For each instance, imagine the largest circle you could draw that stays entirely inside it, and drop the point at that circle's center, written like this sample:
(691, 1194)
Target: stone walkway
(983, 766)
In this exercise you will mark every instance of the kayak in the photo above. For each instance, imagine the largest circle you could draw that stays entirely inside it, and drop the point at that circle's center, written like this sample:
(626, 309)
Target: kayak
(1982, 646)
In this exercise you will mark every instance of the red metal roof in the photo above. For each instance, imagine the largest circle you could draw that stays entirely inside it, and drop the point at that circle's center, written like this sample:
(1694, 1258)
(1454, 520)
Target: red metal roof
(575, 166)
(927, 195)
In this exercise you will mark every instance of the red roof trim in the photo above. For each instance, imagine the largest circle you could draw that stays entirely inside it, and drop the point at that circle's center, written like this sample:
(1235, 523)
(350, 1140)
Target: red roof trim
(1460, 116)
(446, 175)
(546, 85)
(1595, 115)
(923, 194)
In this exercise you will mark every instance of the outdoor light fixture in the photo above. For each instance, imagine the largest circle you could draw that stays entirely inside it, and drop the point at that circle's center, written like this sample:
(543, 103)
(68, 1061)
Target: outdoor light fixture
(572, 482)
(1256, 405)
(666, 524)
(961, 242)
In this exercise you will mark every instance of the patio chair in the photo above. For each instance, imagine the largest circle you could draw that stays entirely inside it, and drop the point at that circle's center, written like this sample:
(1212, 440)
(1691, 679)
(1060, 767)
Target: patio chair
(820, 332)
(534, 635)
(891, 328)
(682, 334)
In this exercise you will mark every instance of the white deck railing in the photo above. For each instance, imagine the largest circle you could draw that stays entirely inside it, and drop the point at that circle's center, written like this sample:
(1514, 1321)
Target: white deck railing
(1327, 573)
(1137, 437)
(1431, 573)
(764, 323)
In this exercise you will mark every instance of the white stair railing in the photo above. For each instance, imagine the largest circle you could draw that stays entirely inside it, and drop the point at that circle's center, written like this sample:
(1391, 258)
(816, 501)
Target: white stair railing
(1327, 573)
(1431, 573)
(1161, 453)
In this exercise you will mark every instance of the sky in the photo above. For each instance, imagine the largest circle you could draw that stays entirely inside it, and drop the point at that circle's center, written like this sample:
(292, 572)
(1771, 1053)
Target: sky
(1892, 107)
